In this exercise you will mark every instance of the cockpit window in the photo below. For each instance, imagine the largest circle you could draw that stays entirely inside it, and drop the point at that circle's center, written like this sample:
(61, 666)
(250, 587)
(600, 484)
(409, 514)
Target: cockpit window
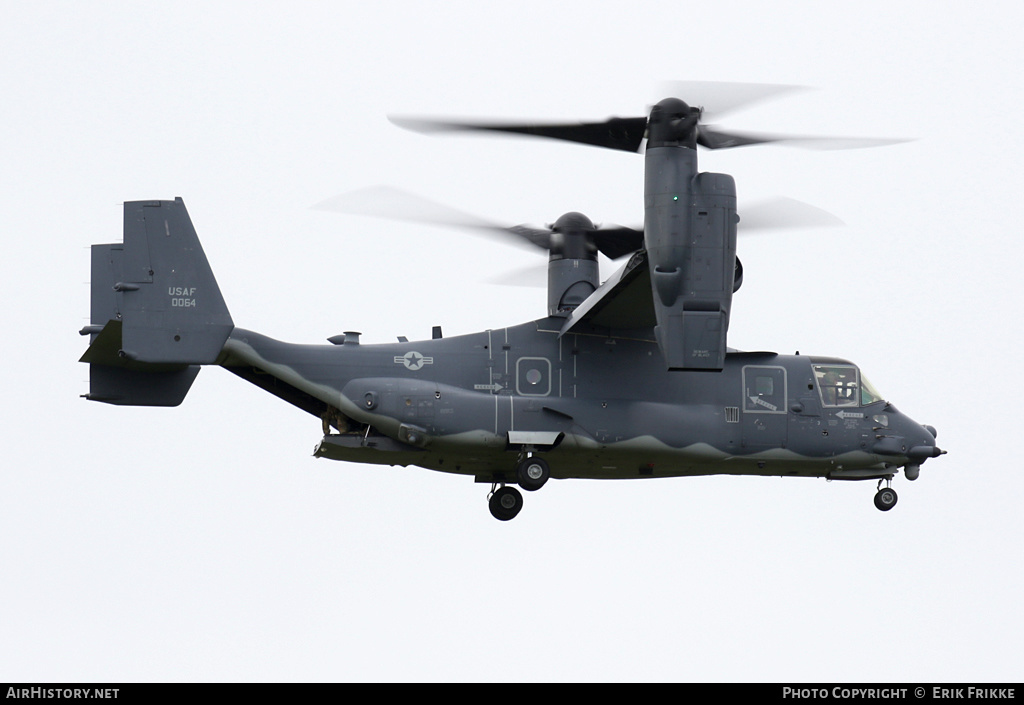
(838, 384)
(868, 394)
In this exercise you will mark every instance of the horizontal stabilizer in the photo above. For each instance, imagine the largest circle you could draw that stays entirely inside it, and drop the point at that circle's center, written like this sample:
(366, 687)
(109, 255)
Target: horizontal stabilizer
(116, 379)
(126, 387)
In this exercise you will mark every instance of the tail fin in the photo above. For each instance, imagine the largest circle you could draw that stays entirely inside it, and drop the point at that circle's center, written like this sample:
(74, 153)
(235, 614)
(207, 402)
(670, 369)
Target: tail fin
(157, 312)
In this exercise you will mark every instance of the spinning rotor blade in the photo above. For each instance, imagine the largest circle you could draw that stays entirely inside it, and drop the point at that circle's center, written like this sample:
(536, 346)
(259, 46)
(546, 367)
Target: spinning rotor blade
(625, 134)
(395, 204)
(533, 277)
(714, 138)
(685, 123)
(720, 97)
(781, 213)
(613, 241)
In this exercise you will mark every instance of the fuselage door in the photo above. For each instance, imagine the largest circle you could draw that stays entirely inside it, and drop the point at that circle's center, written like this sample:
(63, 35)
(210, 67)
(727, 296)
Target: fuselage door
(764, 418)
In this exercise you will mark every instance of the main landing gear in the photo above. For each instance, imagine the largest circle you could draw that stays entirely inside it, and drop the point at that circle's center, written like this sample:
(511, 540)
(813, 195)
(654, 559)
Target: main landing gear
(532, 472)
(506, 502)
(885, 498)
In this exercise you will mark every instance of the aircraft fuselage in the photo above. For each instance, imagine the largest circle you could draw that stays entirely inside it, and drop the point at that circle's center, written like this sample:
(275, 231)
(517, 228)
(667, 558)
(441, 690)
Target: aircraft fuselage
(593, 406)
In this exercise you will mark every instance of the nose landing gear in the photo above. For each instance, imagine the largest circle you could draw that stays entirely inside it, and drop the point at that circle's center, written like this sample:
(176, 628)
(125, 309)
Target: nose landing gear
(885, 498)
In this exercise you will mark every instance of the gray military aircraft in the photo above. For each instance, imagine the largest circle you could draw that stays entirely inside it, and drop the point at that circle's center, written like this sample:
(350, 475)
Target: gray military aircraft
(629, 378)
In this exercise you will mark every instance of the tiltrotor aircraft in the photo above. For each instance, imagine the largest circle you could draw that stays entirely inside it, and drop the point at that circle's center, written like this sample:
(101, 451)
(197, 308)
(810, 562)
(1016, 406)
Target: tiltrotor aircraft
(629, 378)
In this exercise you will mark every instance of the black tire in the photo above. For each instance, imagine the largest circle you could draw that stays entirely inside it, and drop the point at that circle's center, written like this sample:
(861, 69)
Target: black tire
(506, 503)
(532, 473)
(886, 499)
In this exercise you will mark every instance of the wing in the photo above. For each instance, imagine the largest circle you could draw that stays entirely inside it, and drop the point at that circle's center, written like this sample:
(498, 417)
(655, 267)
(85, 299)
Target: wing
(623, 303)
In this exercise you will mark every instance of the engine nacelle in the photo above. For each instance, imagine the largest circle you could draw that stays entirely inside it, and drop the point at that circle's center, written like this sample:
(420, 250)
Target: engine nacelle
(690, 237)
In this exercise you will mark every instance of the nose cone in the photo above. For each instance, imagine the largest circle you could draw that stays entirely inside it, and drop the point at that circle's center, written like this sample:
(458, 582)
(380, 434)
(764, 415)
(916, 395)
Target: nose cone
(923, 445)
(908, 439)
(572, 237)
(904, 437)
(573, 222)
(672, 122)
(669, 108)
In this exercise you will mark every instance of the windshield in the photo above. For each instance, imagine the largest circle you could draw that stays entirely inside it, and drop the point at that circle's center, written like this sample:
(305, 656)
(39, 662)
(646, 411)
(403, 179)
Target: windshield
(842, 385)
(868, 393)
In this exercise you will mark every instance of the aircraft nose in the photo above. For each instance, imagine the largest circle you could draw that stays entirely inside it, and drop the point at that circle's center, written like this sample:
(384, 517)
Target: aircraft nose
(924, 447)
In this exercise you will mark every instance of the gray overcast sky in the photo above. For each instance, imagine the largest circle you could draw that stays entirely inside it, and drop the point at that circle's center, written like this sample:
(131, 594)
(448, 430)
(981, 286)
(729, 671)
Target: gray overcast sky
(204, 543)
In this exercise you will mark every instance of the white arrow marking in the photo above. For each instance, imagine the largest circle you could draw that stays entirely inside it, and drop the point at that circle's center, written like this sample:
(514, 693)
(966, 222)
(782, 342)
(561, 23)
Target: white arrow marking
(758, 401)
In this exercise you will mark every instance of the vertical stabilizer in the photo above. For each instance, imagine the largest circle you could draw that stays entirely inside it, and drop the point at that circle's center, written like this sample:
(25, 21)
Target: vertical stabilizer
(156, 312)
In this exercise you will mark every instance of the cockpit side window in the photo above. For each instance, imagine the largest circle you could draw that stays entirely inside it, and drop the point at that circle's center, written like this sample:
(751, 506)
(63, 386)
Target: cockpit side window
(839, 385)
(764, 389)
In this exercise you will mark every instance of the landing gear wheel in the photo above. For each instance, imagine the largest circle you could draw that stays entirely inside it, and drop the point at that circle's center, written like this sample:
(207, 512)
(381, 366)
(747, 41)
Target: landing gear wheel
(532, 473)
(885, 499)
(505, 503)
